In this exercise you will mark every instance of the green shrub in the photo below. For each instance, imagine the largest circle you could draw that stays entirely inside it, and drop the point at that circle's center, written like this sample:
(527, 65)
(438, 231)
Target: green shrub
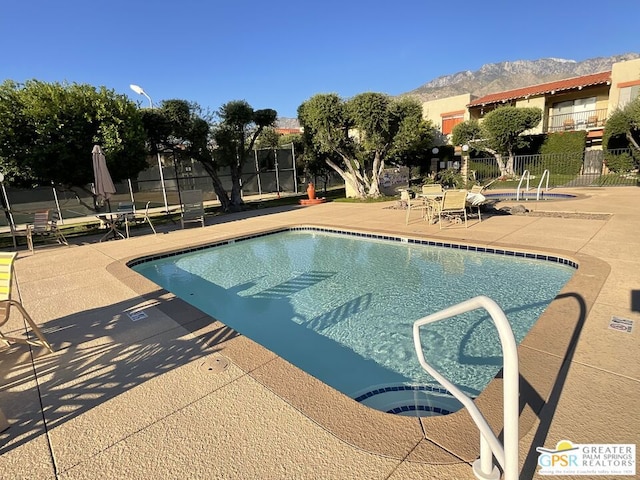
(450, 178)
(484, 170)
(564, 143)
(621, 163)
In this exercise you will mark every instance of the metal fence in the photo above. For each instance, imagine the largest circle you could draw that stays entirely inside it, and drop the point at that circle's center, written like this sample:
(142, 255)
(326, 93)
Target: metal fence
(271, 171)
(593, 168)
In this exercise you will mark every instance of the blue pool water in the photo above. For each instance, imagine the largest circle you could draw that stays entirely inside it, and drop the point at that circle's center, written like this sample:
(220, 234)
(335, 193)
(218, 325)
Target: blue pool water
(527, 196)
(342, 308)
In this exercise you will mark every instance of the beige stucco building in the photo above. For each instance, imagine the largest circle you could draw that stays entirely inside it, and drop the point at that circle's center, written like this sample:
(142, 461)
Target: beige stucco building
(578, 103)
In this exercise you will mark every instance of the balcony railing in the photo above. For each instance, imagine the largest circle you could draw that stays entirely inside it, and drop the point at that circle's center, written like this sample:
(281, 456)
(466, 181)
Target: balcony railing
(576, 121)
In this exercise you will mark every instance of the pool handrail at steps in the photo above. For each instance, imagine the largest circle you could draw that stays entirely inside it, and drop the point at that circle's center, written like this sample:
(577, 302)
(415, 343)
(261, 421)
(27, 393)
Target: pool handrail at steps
(544, 174)
(507, 454)
(526, 174)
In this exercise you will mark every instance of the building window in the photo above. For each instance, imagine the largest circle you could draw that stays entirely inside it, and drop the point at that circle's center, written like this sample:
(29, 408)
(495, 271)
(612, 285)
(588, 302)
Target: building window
(450, 120)
(628, 94)
(572, 114)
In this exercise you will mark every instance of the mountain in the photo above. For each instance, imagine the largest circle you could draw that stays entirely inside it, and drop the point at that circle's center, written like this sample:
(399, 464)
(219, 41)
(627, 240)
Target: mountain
(504, 76)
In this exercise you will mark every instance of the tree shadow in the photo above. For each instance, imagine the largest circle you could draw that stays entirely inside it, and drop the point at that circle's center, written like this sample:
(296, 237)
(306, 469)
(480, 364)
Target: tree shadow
(104, 355)
(536, 400)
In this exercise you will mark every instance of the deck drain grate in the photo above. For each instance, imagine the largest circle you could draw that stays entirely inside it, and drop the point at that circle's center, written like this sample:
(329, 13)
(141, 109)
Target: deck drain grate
(214, 364)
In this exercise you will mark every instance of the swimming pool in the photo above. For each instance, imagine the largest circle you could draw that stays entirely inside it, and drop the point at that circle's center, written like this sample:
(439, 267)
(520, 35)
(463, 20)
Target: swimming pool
(528, 196)
(342, 307)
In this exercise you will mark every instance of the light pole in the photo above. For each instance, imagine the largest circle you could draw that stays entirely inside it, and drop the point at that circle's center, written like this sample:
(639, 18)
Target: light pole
(139, 90)
(464, 170)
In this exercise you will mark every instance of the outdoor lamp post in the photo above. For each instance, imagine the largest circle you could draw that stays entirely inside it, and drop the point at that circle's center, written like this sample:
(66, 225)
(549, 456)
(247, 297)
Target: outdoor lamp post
(139, 90)
(465, 163)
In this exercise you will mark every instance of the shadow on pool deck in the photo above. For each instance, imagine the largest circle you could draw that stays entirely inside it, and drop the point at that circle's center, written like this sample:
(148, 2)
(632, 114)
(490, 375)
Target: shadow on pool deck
(125, 399)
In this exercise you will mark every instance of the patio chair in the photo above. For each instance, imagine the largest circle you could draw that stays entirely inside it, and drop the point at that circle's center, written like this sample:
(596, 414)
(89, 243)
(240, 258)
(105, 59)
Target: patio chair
(126, 214)
(192, 207)
(434, 189)
(453, 207)
(146, 218)
(413, 204)
(45, 227)
(6, 302)
(432, 194)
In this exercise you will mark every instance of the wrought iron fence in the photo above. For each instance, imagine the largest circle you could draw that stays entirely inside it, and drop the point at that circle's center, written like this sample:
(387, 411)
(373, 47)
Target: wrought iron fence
(594, 168)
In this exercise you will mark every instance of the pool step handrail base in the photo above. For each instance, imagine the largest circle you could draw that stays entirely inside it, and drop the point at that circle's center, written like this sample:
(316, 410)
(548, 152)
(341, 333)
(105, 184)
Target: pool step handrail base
(506, 455)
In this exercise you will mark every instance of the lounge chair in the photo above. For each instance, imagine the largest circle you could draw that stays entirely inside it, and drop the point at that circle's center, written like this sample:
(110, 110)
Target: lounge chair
(453, 207)
(45, 227)
(475, 199)
(6, 280)
(192, 207)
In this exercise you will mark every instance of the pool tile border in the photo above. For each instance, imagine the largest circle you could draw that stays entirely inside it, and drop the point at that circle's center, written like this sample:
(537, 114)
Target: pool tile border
(442, 438)
(373, 236)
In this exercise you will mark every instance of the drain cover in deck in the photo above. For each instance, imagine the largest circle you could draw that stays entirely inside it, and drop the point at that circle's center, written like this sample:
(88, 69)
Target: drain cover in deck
(214, 364)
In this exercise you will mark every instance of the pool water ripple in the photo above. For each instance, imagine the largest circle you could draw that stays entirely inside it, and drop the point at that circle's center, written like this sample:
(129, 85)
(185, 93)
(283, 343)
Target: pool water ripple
(342, 308)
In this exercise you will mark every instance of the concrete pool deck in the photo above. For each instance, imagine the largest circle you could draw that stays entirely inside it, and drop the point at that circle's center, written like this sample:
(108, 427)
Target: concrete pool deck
(179, 395)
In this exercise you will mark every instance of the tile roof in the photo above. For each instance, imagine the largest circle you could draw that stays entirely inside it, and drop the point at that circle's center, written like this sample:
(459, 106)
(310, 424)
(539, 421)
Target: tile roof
(535, 90)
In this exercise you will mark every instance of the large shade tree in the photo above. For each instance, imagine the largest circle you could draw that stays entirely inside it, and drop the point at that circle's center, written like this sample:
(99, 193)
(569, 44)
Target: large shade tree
(356, 137)
(47, 132)
(180, 128)
(234, 137)
(499, 133)
(623, 127)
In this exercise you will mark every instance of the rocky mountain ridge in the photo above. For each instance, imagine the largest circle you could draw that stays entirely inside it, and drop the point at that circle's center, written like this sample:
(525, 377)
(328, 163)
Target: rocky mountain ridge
(504, 76)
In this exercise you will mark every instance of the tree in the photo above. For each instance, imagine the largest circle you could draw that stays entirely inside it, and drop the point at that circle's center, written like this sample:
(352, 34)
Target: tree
(623, 127)
(47, 132)
(177, 127)
(499, 134)
(234, 138)
(356, 137)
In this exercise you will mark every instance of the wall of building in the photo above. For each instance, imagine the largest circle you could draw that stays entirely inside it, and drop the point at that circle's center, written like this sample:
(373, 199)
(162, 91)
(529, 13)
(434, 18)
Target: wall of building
(622, 73)
(434, 110)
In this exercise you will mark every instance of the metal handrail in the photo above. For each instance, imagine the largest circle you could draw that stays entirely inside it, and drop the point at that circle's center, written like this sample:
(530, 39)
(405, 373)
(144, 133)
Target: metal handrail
(545, 173)
(526, 174)
(490, 446)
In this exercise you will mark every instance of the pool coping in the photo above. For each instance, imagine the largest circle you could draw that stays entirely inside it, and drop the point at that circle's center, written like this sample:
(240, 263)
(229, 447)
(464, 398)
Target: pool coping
(544, 353)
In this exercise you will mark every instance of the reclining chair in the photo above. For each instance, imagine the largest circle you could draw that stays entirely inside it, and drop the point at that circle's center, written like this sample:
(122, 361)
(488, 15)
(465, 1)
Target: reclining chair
(6, 302)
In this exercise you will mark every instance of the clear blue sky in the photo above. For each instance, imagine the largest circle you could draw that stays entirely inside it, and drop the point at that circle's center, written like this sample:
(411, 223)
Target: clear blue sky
(277, 54)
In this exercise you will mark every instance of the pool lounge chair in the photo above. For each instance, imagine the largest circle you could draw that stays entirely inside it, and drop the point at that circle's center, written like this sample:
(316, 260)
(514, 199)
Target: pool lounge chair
(6, 302)
(453, 207)
(475, 199)
(192, 207)
(45, 227)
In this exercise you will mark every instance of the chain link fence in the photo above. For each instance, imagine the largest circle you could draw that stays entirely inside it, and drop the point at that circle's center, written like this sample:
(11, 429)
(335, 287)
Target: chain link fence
(271, 171)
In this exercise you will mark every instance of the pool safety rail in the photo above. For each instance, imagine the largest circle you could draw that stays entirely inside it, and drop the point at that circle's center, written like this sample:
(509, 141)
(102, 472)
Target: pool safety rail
(526, 175)
(490, 447)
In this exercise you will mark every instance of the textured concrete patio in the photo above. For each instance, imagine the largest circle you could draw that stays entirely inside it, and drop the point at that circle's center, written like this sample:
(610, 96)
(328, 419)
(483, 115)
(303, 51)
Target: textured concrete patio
(180, 395)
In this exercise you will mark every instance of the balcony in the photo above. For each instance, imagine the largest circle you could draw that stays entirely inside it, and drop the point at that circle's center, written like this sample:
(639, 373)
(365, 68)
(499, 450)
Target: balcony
(567, 122)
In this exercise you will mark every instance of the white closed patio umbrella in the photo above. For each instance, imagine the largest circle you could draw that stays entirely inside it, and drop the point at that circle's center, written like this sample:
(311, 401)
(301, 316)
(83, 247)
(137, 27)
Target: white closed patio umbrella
(103, 183)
